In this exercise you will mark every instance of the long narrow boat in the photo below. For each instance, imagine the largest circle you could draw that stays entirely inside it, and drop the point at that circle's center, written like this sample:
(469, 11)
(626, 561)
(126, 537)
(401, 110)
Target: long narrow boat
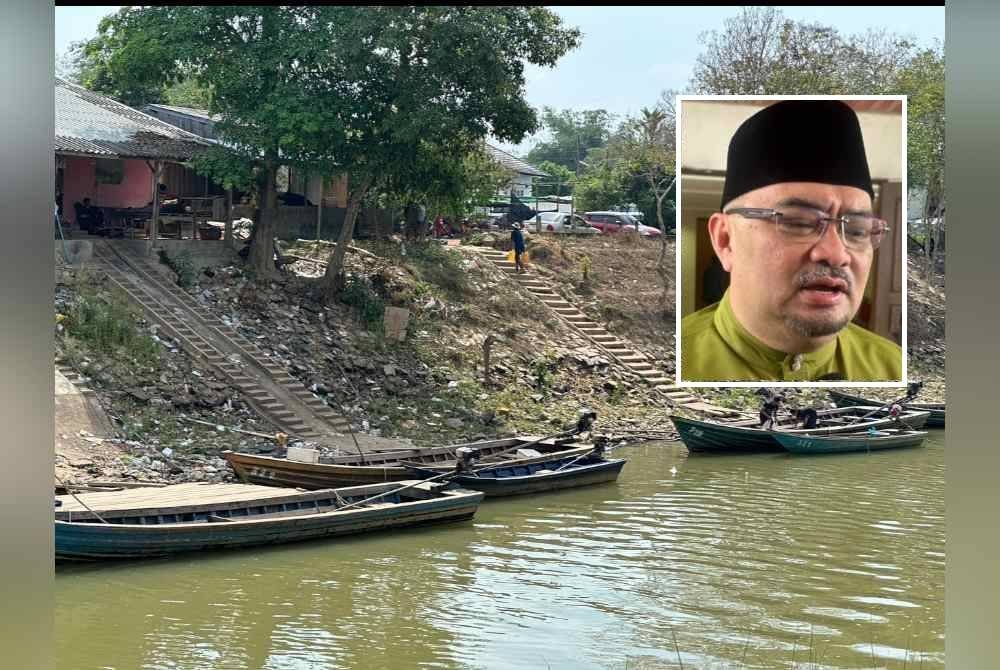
(225, 517)
(937, 409)
(852, 442)
(747, 436)
(386, 467)
(538, 477)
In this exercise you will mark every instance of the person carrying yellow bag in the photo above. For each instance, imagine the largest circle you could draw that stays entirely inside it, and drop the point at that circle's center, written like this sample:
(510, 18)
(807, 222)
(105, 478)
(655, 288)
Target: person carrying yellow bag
(519, 251)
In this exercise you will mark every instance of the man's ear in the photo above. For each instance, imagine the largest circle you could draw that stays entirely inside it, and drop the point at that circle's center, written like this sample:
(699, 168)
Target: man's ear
(718, 231)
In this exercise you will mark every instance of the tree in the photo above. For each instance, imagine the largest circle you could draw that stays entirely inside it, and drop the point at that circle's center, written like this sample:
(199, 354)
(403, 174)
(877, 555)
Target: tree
(602, 186)
(409, 83)
(449, 185)
(760, 52)
(372, 90)
(559, 183)
(922, 79)
(571, 136)
(741, 58)
(648, 149)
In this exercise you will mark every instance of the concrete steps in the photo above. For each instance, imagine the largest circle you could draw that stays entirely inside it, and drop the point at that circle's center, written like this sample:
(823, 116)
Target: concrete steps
(263, 382)
(622, 352)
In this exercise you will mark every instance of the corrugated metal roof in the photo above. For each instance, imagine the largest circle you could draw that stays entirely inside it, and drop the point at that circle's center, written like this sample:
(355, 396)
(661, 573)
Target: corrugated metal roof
(512, 163)
(190, 111)
(90, 123)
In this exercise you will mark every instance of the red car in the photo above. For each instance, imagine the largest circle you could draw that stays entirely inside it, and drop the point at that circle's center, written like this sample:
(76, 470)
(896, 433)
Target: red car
(613, 222)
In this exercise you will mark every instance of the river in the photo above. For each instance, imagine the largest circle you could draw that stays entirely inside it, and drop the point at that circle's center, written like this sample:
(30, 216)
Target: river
(760, 561)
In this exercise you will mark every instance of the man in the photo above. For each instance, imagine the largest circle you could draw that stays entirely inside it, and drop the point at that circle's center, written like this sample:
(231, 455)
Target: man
(517, 239)
(796, 234)
(88, 217)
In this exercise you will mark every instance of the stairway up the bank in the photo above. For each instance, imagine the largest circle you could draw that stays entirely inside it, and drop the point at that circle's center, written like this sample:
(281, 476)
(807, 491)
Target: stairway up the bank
(618, 349)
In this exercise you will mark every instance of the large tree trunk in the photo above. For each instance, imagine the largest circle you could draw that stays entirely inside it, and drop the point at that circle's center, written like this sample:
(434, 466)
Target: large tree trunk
(261, 259)
(333, 280)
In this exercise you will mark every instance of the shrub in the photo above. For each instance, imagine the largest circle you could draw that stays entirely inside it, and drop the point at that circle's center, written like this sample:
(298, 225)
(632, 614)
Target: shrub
(183, 266)
(368, 304)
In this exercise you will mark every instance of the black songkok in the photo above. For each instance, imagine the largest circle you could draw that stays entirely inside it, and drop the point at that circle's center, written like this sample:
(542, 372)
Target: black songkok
(797, 140)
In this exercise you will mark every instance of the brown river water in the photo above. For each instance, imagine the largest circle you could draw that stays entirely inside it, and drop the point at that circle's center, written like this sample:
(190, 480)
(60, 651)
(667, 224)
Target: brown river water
(758, 561)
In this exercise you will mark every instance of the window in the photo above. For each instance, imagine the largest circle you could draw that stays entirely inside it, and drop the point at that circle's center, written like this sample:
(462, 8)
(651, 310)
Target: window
(109, 171)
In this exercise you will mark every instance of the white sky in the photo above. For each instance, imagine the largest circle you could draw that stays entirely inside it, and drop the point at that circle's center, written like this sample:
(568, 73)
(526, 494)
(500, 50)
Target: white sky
(629, 54)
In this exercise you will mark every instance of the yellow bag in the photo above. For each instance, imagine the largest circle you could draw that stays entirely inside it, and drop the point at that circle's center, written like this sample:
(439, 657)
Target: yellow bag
(524, 256)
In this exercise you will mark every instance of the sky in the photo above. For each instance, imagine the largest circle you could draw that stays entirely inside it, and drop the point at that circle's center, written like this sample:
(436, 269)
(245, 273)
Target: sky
(629, 54)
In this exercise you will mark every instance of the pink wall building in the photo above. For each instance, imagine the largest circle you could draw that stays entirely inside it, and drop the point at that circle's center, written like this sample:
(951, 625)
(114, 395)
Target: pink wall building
(80, 181)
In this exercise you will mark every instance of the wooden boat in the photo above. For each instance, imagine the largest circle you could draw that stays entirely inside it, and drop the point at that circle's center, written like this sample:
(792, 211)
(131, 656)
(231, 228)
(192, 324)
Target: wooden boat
(510, 479)
(229, 516)
(382, 467)
(747, 436)
(838, 444)
(937, 409)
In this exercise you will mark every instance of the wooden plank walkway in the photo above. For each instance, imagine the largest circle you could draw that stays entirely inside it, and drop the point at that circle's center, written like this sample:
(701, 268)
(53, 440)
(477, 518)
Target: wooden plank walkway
(194, 493)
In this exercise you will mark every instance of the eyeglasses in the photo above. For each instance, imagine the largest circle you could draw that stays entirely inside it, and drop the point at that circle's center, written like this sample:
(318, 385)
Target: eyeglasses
(859, 232)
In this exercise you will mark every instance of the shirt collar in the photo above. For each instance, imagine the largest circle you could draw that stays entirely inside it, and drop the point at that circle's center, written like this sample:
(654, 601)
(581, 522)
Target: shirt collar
(756, 353)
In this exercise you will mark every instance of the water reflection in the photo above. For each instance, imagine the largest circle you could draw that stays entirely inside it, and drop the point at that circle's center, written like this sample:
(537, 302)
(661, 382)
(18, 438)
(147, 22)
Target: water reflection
(759, 560)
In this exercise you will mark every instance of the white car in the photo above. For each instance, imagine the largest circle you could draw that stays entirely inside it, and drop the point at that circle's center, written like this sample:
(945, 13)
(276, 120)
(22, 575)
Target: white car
(559, 222)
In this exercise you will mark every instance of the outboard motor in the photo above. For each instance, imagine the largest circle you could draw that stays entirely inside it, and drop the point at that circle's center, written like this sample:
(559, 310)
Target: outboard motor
(467, 458)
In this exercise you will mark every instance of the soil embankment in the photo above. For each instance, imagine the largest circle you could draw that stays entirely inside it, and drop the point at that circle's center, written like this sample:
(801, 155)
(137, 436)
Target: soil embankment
(171, 417)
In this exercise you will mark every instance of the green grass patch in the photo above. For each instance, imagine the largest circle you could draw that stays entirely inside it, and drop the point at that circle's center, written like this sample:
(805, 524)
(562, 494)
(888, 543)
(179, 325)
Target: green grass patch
(431, 262)
(103, 322)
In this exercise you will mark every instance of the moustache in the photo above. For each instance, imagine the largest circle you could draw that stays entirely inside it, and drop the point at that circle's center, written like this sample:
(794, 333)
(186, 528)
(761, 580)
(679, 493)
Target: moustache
(811, 275)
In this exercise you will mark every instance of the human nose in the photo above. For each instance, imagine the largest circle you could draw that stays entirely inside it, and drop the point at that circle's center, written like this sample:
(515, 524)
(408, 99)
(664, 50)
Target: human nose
(830, 248)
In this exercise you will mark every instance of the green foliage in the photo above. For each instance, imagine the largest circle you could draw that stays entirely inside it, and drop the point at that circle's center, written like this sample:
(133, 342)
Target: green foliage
(183, 266)
(560, 181)
(386, 91)
(759, 51)
(922, 80)
(585, 265)
(571, 135)
(369, 306)
(105, 324)
(601, 187)
(188, 93)
(450, 186)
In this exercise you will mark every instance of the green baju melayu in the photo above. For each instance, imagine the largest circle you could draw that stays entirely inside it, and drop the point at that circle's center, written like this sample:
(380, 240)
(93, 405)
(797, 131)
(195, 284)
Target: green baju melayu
(715, 347)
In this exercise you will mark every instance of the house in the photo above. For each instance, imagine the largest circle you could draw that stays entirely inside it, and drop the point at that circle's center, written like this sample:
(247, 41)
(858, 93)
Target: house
(332, 191)
(113, 154)
(524, 173)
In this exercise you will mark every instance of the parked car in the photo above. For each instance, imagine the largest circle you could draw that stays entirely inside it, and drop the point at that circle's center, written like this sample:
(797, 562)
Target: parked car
(610, 223)
(559, 222)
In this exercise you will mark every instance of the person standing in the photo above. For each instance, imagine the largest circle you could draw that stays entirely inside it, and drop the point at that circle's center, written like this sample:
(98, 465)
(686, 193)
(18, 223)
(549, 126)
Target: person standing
(517, 238)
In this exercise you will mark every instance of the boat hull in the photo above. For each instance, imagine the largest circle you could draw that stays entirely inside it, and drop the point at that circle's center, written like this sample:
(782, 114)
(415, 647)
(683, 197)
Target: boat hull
(935, 420)
(537, 478)
(282, 472)
(707, 436)
(808, 444)
(278, 524)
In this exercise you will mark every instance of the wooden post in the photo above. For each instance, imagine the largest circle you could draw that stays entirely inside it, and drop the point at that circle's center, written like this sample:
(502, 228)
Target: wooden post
(319, 217)
(228, 235)
(154, 231)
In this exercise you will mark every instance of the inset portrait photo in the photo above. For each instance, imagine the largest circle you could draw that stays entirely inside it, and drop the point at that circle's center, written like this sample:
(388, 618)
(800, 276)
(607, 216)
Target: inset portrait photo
(791, 240)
